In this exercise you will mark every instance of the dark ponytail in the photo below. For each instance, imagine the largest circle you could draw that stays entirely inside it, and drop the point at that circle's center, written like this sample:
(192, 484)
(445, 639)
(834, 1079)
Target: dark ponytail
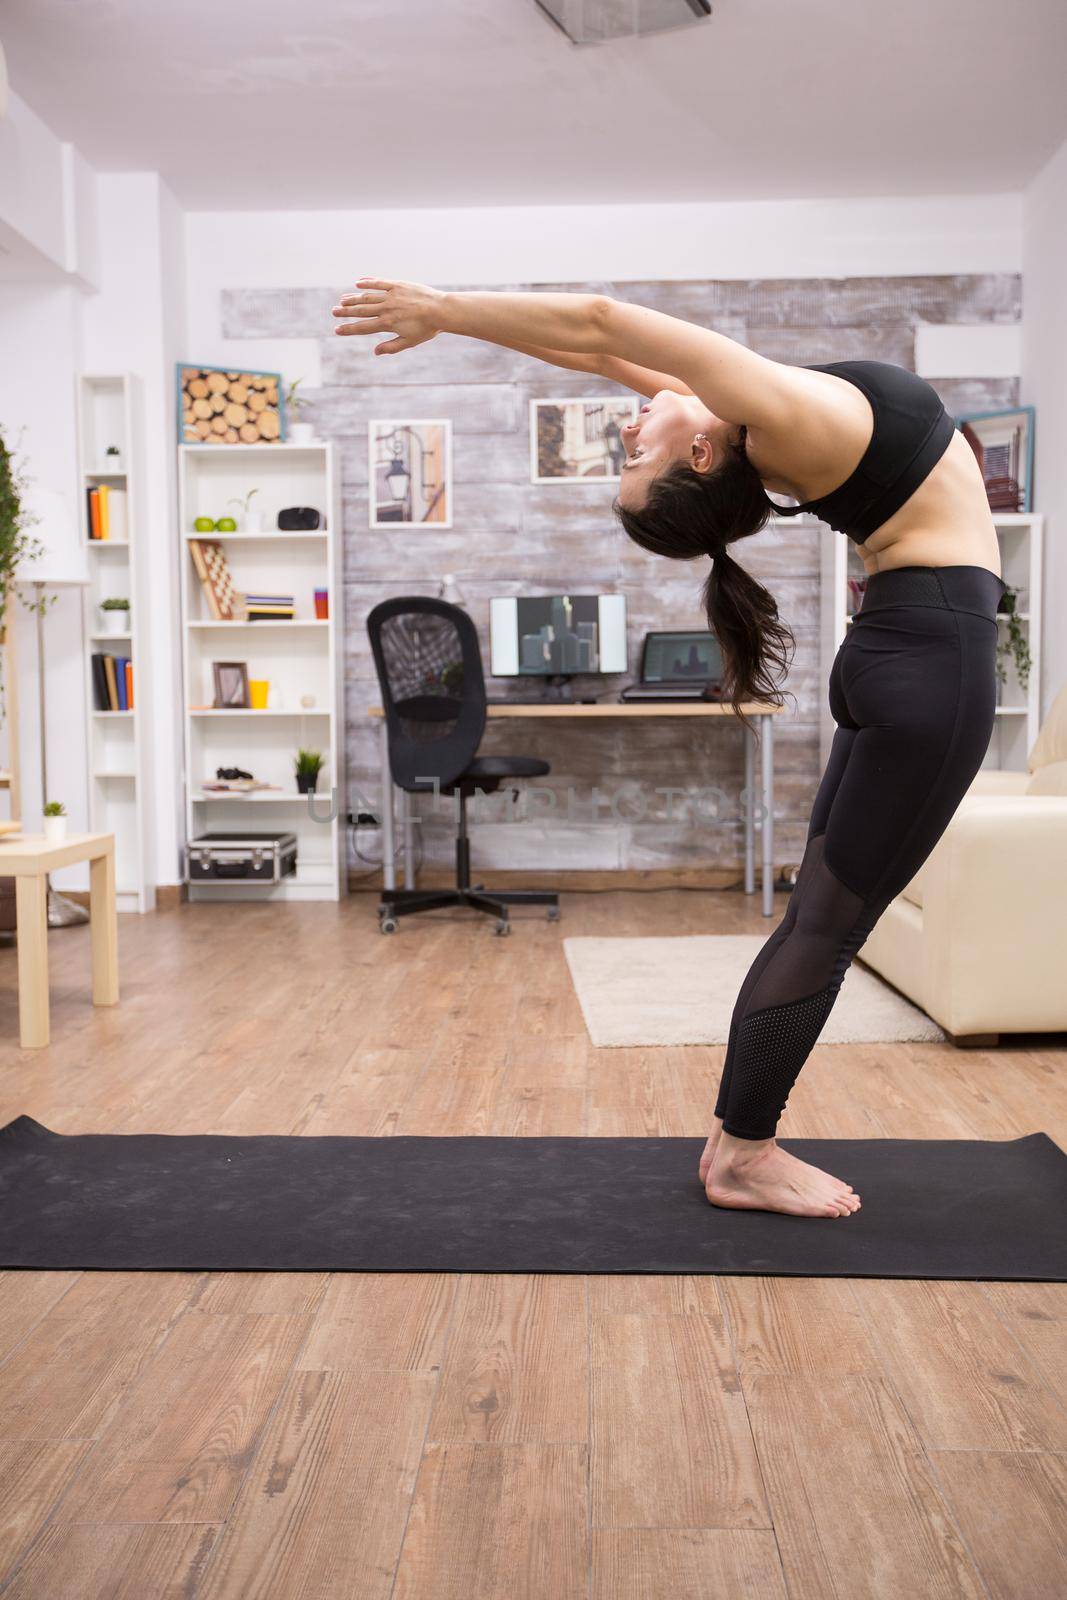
(690, 514)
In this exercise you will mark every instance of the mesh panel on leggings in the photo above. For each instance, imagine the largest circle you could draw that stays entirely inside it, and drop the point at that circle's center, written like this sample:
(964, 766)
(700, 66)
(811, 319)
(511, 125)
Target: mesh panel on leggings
(772, 1046)
(789, 994)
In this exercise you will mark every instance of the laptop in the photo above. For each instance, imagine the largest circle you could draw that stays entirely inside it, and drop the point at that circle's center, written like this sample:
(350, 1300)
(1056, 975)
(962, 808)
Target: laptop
(678, 665)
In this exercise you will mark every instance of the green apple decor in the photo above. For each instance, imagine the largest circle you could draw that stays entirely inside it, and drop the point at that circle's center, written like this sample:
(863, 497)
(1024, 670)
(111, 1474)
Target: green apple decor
(204, 525)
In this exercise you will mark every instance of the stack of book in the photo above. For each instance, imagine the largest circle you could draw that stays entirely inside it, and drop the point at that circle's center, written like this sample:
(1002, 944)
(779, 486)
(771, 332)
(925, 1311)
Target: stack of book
(269, 607)
(107, 513)
(112, 682)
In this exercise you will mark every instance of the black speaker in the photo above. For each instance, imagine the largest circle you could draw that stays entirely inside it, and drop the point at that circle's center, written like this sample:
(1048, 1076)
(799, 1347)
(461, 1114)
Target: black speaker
(299, 519)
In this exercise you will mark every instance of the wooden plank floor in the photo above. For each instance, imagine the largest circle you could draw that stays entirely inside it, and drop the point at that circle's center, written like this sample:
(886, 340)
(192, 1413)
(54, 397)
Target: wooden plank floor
(357, 1437)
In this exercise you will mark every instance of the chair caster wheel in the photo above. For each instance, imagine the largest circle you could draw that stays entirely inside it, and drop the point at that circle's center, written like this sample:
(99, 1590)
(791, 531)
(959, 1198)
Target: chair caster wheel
(502, 926)
(386, 924)
(553, 913)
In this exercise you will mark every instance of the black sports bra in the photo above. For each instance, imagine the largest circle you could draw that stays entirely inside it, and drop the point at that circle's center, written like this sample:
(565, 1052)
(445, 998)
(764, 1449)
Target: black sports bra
(912, 431)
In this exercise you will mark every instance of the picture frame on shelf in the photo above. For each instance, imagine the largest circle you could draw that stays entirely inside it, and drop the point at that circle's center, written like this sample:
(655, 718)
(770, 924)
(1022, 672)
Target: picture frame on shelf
(410, 477)
(232, 690)
(1003, 444)
(226, 406)
(575, 439)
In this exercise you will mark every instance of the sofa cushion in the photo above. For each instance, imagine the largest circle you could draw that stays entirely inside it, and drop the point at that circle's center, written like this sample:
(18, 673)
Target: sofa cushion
(913, 891)
(1049, 779)
(1051, 743)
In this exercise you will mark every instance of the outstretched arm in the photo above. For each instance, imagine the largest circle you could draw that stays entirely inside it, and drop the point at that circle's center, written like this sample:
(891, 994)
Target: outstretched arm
(642, 380)
(733, 381)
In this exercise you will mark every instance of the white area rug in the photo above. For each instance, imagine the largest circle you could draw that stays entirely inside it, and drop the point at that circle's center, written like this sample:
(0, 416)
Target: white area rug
(637, 991)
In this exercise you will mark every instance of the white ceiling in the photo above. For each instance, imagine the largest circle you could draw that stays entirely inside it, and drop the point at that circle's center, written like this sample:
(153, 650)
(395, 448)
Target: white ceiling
(302, 104)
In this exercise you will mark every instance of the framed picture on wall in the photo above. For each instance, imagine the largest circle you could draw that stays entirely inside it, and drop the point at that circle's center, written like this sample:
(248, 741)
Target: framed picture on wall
(579, 438)
(410, 474)
(1003, 443)
(220, 405)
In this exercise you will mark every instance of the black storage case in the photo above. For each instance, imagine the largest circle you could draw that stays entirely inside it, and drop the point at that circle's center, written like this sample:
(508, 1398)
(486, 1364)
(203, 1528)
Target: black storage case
(253, 857)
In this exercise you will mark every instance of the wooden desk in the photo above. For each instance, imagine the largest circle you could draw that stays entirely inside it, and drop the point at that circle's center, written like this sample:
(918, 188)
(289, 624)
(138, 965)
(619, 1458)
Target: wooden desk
(29, 859)
(763, 715)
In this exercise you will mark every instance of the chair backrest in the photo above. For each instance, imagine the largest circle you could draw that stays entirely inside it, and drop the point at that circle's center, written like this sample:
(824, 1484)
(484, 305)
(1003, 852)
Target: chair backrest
(430, 673)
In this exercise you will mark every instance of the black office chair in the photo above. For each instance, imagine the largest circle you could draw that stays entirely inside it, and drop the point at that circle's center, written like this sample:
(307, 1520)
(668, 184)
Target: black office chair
(433, 693)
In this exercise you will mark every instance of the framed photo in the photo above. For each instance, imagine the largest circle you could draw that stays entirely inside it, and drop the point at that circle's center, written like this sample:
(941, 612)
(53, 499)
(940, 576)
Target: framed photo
(219, 405)
(410, 476)
(1003, 443)
(231, 685)
(581, 438)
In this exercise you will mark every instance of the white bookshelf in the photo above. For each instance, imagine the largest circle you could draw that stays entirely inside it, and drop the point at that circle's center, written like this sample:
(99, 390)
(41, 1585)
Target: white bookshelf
(110, 408)
(298, 658)
(1018, 713)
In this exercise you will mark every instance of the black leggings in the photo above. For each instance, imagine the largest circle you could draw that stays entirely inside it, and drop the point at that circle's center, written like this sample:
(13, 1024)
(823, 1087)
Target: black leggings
(912, 690)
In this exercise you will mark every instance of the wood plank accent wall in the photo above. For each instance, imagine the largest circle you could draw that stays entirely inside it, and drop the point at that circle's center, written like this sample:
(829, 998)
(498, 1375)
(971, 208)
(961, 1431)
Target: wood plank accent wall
(600, 808)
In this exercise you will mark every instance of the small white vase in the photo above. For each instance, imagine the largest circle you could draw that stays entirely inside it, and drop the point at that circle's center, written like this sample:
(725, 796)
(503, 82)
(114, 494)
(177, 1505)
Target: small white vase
(114, 466)
(113, 621)
(253, 522)
(55, 829)
(301, 433)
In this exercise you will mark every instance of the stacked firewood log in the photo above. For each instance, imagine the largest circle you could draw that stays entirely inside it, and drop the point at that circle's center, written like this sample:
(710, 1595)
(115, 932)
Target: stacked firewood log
(229, 407)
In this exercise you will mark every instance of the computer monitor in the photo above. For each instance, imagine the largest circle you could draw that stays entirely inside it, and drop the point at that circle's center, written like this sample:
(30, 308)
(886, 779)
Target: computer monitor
(681, 656)
(557, 635)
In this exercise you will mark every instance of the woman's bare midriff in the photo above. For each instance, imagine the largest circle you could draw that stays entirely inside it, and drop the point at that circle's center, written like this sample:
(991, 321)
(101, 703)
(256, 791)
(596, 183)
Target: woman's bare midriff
(946, 522)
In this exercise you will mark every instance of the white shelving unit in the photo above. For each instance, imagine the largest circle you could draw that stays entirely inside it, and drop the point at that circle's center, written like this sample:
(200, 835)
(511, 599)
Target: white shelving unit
(298, 658)
(109, 411)
(1018, 714)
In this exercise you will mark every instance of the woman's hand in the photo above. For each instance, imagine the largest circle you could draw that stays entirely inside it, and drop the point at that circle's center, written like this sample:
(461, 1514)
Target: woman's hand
(413, 312)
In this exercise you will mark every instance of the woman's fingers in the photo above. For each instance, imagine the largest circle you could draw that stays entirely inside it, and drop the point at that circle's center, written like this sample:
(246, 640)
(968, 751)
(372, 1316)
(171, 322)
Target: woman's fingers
(372, 297)
(359, 308)
(378, 325)
(391, 346)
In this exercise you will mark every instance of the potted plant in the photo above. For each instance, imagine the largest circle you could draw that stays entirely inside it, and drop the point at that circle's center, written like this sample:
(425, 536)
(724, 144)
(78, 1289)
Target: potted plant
(55, 822)
(1016, 645)
(308, 766)
(298, 432)
(114, 615)
(251, 521)
(17, 544)
(113, 464)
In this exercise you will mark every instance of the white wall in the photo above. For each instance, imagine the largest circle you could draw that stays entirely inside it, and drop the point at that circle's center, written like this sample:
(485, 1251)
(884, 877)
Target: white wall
(136, 324)
(1044, 385)
(523, 244)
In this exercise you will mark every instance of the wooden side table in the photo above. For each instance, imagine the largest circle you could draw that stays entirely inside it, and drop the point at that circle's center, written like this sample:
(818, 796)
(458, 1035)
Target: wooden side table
(29, 859)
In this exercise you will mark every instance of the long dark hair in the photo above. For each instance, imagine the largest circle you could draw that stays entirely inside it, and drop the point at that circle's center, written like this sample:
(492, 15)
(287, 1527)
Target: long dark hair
(689, 514)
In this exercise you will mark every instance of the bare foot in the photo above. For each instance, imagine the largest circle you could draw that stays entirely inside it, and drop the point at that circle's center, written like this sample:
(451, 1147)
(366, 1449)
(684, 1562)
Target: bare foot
(709, 1149)
(764, 1177)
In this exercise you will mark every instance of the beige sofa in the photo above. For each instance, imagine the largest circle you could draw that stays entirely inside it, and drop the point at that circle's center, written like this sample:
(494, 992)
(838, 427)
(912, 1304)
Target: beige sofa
(978, 938)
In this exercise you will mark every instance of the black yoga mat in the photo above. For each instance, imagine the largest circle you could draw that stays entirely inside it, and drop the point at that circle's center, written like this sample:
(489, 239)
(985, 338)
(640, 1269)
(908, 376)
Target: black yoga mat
(934, 1208)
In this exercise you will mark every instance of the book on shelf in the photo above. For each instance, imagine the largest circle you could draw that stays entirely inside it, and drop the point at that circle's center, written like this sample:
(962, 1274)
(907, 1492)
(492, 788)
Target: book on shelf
(107, 513)
(269, 608)
(112, 682)
(118, 527)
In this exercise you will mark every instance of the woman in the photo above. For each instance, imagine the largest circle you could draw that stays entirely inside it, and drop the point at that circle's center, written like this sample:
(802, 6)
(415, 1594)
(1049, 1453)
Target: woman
(869, 447)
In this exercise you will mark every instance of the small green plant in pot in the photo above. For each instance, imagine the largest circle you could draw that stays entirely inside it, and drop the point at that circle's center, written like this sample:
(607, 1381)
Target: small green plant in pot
(115, 614)
(309, 764)
(1016, 645)
(297, 432)
(251, 521)
(55, 822)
